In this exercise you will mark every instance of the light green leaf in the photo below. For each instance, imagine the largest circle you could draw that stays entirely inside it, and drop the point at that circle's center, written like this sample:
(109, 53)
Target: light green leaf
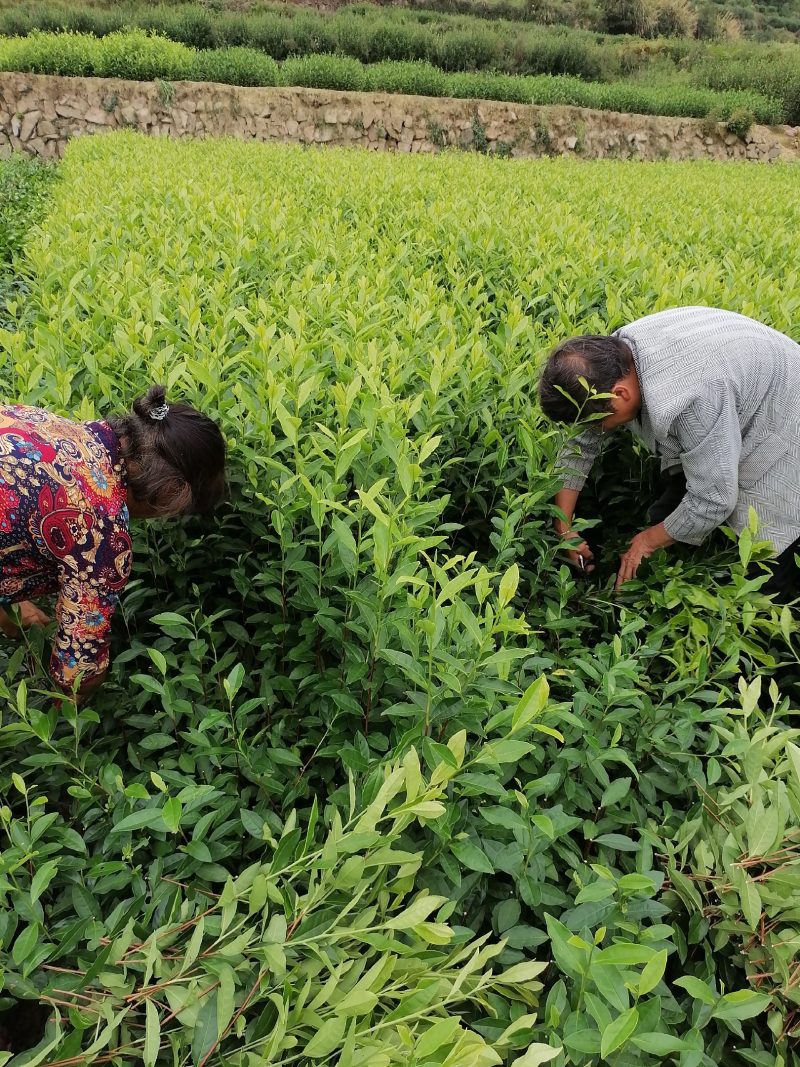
(152, 1034)
(171, 813)
(416, 912)
(536, 1054)
(531, 703)
(618, 1031)
(508, 584)
(742, 1004)
(327, 1039)
(441, 1033)
(653, 972)
(42, 879)
(697, 989)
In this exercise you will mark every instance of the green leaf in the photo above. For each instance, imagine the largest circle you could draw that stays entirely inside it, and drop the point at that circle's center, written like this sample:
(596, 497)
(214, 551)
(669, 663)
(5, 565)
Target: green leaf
(623, 955)
(147, 817)
(508, 584)
(763, 831)
(205, 1029)
(742, 1004)
(471, 857)
(159, 660)
(615, 792)
(536, 1054)
(25, 944)
(42, 879)
(793, 752)
(441, 1033)
(521, 973)
(653, 972)
(696, 989)
(170, 618)
(618, 1031)
(233, 683)
(171, 813)
(152, 1034)
(416, 912)
(570, 957)
(619, 842)
(660, 1044)
(531, 703)
(327, 1039)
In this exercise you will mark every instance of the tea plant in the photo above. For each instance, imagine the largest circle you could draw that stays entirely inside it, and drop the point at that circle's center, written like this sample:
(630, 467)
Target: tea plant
(366, 726)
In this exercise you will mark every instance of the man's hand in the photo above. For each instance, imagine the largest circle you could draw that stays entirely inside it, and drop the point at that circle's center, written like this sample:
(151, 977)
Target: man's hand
(643, 545)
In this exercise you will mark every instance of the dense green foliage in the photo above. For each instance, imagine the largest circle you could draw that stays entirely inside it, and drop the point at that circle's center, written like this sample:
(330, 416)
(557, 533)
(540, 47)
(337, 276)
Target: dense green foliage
(134, 54)
(759, 19)
(367, 716)
(452, 43)
(24, 187)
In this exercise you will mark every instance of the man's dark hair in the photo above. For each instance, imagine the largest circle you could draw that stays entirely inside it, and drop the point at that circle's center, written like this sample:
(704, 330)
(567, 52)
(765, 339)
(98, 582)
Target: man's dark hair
(175, 455)
(600, 361)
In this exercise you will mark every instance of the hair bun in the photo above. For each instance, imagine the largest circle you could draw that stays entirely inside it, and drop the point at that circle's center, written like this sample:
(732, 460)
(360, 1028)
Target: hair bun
(154, 398)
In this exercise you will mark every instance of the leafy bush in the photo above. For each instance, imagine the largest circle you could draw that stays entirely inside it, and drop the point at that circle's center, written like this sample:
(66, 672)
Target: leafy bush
(324, 72)
(740, 121)
(235, 66)
(676, 18)
(367, 718)
(141, 56)
(418, 79)
(72, 54)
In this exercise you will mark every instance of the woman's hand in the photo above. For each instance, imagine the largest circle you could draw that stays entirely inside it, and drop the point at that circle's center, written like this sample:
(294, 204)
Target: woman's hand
(30, 615)
(581, 556)
(644, 544)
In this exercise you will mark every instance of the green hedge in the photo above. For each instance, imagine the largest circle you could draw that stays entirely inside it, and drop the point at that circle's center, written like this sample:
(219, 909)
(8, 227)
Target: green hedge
(777, 76)
(372, 35)
(449, 42)
(135, 54)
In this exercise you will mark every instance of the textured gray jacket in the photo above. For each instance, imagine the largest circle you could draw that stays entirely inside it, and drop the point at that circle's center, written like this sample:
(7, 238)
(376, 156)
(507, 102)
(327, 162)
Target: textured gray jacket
(720, 398)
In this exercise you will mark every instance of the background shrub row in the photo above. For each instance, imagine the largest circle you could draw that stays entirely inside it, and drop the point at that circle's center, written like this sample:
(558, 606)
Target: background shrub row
(452, 43)
(137, 55)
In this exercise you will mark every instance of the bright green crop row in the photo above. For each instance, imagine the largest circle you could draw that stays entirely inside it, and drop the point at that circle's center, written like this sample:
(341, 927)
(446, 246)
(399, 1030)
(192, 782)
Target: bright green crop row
(365, 716)
(134, 54)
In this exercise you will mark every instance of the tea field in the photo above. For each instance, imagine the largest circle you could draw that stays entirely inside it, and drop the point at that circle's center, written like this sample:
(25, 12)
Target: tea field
(375, 779)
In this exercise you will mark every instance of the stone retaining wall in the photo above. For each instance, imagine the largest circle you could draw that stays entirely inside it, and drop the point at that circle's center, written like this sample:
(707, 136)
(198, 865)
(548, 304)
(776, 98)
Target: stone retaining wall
(39, 114)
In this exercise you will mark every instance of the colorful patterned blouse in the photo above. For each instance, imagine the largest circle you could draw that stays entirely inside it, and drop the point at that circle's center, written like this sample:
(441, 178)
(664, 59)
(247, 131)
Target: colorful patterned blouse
(64, 529)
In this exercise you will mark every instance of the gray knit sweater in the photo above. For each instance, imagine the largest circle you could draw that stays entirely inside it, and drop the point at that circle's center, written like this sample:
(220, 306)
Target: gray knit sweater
(720, 398)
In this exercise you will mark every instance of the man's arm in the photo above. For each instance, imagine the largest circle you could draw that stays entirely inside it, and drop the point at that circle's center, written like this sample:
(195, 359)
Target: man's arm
(576, 460)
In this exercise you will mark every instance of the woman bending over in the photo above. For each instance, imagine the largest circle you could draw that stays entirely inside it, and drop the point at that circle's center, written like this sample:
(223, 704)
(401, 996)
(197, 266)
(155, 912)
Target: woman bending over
(67, 491)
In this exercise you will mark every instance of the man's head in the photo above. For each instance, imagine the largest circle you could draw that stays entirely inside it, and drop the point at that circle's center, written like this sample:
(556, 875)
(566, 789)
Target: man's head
(605, 365)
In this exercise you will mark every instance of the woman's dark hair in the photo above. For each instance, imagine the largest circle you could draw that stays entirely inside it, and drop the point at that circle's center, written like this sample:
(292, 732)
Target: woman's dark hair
(175, 455)
(600, 361)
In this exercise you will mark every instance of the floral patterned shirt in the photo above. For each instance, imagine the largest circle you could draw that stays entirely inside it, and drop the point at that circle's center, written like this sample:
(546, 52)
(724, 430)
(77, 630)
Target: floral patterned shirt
(64, 529)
